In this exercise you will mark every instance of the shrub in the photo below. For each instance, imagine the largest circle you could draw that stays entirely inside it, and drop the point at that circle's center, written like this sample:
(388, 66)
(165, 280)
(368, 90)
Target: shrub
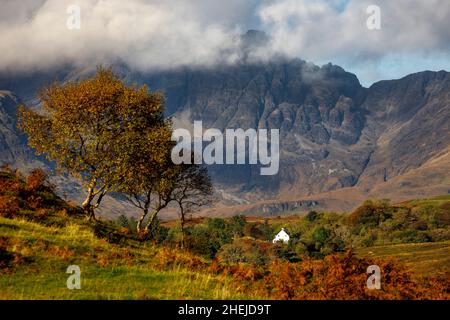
(247, 250)
(413, 236)
(370, 214)
(9, 206)
(341, 276)
(232, 253)
(312, 216)
(441, 219)
(252, 230)
(235, 225)
(37, 181)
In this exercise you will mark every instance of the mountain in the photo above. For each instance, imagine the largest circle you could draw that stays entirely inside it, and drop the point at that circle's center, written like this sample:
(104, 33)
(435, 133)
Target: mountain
(9, 140)
(339, 142)
(411, 120)
(334, 133)
(13, 148)
(318, 110)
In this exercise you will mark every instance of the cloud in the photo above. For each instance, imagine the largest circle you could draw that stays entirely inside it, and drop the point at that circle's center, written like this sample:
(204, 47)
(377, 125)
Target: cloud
(170, 33)
(322, 29)
(143, 34)
(412, 32)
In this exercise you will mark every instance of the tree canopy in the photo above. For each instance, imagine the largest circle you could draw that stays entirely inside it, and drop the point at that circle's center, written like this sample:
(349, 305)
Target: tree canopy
(93, 128)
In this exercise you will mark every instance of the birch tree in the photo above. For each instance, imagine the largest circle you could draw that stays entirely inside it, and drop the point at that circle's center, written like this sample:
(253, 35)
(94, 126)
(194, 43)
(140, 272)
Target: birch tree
(88, 128)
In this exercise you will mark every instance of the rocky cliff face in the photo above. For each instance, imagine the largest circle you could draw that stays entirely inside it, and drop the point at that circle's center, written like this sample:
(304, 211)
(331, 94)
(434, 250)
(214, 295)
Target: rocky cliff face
(318, 111)
(8, 136)
(13, 147)
(334, 133)
(410, 119)
(11, 142)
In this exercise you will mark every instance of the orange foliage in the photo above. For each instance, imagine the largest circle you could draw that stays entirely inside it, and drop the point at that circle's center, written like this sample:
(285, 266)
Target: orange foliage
(336, 277)
(171, 257)
(9, 206)
(37, 180)
(34, 193)
(116, 256)
(343, 276)
(64, 252)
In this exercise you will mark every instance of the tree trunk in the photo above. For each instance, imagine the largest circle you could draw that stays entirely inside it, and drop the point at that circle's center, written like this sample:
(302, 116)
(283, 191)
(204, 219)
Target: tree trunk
(141, 220)
(87, 206)
(100, 198)
(151, 219)
(182, 226)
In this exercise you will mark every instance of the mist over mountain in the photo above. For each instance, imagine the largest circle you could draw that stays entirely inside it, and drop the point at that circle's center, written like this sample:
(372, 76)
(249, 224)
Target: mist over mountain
(147, 35)
(334, 133)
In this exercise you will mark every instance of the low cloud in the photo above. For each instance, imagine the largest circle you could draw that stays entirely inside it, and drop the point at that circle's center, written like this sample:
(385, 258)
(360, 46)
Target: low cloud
(142, 34)
(169, 33)
(319, 30)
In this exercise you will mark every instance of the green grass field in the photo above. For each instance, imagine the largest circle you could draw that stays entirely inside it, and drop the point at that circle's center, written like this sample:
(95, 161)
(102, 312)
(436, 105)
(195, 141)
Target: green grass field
(423, 258)
(421, 203)
(108, 271)
(139, 270)
(134, 271)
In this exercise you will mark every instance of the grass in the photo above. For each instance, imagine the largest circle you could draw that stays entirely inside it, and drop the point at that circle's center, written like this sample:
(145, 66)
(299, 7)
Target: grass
(114, 283)
(108, 271)
(429, 259)
(43, 236)
(419, 203)
(139, 270)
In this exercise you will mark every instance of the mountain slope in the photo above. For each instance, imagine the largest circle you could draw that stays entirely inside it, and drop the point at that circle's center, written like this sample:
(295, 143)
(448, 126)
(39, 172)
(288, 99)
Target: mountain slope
(333, 133)
(411, 118)
(318, 112)
(13, 149)
(340, 142)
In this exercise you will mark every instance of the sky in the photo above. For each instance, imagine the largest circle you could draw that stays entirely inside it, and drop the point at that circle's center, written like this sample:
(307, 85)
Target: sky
(414, 35)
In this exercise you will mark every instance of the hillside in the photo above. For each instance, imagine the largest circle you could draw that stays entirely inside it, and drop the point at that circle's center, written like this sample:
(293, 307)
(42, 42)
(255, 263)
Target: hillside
(426, 259)
(341, 143)
(334, 133)
(41, 236)
(40, 256)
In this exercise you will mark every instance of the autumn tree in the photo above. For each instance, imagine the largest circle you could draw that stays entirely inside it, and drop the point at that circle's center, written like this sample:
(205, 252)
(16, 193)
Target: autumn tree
(192, 189)
(149, 181)
(89, 127)
(154, 183)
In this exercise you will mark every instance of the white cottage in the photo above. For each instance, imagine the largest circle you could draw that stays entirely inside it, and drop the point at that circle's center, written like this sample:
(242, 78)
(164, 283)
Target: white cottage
(281, 236)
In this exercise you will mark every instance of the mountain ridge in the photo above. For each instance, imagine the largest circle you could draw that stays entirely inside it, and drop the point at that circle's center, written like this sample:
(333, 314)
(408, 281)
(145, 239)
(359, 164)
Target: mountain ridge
(334, 133)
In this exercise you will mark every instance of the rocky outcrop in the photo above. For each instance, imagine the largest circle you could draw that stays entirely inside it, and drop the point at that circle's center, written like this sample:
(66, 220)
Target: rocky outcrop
(11, 143)
(274, 208)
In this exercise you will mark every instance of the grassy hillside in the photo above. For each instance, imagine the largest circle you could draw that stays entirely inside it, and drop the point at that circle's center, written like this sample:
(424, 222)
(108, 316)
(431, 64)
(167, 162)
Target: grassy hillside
(40, 255)
(420, 204)
(430, 259)
(41, 236)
